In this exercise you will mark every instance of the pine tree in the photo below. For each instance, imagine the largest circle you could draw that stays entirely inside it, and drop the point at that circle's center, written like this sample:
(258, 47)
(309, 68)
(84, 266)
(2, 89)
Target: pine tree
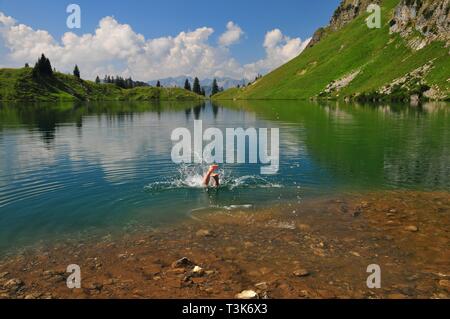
(27, 65)
(215, 88)
(43, 67)
(196, 88)
(187, 85)
(48, 70)
(76, 72)
(97, 80)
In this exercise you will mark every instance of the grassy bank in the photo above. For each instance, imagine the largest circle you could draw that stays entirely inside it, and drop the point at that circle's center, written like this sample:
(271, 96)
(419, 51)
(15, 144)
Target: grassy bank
(21, 85)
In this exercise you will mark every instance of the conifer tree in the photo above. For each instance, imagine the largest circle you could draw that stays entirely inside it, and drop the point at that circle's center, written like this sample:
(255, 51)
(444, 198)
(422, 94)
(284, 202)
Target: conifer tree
(76, 72)
(43, 67)
(187, 85)
(215, 88)
(196, 88)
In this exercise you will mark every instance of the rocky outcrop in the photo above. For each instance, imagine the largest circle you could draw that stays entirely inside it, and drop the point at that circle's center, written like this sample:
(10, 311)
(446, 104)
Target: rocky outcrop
(344, 14)
(336, 86)
(412, 84)
(317, 36)
(349, 10)
(421, 22)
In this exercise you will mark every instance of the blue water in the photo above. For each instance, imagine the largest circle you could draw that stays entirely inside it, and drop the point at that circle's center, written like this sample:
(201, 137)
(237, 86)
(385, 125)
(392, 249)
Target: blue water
(71, 168)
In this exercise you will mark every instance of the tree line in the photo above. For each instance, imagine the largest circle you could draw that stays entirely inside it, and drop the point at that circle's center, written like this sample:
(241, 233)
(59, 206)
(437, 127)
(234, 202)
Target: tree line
(43, 68)
(124, 83)
(196, 87)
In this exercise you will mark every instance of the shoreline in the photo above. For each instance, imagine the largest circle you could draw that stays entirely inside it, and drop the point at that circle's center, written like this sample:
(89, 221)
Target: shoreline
(317, 249)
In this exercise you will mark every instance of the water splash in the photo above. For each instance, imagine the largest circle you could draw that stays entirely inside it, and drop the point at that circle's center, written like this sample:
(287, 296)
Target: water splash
(191, 177)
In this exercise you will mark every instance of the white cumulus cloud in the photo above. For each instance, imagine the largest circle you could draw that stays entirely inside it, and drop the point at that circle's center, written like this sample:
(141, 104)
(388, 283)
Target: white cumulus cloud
(6, 21)
(115, 48)
(279, 50)
(232, 35)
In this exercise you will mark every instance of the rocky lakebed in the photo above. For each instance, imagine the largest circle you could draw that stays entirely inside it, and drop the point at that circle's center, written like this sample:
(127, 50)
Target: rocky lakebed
(318, 248)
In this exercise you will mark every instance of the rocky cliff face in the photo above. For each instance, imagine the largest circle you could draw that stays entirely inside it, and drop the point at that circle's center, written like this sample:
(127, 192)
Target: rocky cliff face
(345, 13)
(422, 21)
(418, 21)
(349, 10)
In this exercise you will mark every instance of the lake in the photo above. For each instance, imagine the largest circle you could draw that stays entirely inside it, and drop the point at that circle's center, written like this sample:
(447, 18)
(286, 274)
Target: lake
(93, 168)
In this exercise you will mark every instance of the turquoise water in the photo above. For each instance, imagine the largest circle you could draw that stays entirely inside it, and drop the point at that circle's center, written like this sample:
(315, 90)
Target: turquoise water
(71, 168)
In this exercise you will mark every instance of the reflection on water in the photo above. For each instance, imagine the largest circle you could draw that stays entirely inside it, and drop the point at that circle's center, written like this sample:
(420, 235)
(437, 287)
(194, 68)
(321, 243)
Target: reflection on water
(391, 146)
(82, 167)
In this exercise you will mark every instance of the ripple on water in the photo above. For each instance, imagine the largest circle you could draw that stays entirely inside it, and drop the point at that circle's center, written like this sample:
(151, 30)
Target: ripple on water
(191, 176)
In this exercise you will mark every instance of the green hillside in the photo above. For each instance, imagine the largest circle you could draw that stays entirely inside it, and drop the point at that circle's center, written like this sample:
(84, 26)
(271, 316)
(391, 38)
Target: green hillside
(20, 85)
(369, 58)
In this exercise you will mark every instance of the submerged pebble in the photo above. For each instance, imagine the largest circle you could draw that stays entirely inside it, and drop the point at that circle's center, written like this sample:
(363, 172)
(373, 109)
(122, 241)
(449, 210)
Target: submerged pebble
(412, 228)
(204, 233)
(247, 294)
(301, 273)
(14, 284)
(183, 263)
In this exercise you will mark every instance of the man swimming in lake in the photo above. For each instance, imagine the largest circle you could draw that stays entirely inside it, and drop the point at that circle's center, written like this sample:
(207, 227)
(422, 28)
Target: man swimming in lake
(214, 176)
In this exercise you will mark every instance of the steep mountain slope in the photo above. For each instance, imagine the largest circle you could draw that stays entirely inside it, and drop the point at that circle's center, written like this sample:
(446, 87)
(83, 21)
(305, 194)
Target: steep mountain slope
(20, 85)
(407, 57)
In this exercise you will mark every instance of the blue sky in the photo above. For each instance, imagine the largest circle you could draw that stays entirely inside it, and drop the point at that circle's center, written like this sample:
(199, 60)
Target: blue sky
(155, 19)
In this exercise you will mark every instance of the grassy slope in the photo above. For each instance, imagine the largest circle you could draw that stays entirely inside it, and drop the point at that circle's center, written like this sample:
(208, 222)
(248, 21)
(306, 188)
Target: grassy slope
(19, 85)
(381, 57)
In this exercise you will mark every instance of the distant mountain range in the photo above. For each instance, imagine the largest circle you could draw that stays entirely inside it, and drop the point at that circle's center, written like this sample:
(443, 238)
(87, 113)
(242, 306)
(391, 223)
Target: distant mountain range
(225, 83)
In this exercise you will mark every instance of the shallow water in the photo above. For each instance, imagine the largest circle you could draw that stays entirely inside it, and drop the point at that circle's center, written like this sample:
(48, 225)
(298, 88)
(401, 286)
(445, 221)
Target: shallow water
(86, 168)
